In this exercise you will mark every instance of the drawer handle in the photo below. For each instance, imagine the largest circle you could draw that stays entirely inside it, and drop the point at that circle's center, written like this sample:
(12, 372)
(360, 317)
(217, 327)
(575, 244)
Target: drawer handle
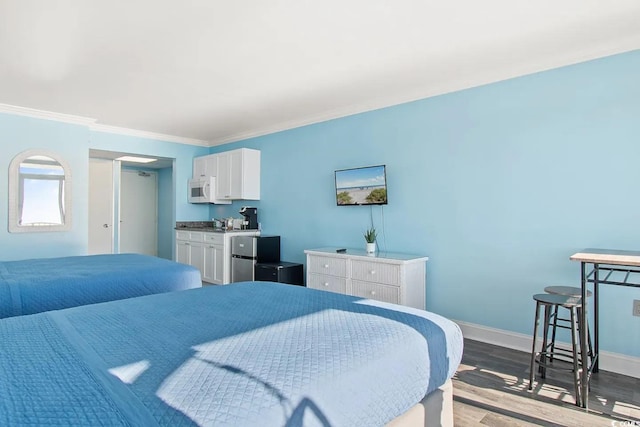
(373, 272)
(326, 266)
(326, 283)
(187, 244)
(373, 292)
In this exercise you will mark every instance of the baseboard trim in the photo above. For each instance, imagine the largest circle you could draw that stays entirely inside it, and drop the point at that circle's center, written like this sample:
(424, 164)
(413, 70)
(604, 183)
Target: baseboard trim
(612, 362)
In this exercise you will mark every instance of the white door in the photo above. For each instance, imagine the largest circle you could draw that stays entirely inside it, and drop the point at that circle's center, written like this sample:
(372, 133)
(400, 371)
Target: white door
(139, 212)
(100, 206)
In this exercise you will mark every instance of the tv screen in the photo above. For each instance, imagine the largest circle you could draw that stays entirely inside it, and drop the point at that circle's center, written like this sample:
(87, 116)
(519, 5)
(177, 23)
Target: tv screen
(361, 186)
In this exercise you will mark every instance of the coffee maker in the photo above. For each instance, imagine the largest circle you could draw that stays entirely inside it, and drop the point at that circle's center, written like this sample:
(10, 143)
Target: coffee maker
(250, 216)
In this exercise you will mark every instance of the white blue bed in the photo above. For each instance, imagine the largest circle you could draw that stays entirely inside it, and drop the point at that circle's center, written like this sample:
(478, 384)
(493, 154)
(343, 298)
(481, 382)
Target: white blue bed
(37, 285)
(246, 354)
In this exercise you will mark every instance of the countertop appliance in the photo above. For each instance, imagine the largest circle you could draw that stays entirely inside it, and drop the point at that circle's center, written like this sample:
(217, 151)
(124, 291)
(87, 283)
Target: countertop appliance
(281, 271)
(247, 251)
(251, 217)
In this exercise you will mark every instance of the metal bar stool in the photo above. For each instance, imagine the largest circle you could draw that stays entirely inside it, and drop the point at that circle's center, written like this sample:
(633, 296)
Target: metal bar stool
(551, 302)
(574, 292)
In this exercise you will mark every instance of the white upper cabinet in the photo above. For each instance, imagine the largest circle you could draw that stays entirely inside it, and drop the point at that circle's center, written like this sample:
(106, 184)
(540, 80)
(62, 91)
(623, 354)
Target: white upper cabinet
(237, 173)
(211, 165)
(199, 167)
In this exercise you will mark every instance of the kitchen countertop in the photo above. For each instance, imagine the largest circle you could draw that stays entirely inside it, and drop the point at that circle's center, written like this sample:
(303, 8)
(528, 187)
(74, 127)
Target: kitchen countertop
(213, 230)
(206, 226)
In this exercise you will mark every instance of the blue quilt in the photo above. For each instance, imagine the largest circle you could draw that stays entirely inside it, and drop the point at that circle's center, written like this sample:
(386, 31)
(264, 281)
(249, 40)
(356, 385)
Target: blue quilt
(37, 285)
(246, 354)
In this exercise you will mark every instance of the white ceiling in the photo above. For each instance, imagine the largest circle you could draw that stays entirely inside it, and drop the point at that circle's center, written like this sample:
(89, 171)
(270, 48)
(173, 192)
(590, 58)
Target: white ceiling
(215, 72)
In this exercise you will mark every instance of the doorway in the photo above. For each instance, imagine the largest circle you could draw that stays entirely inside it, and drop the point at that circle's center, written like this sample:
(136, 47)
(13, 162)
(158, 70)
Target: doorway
(101, 207)
(126, 212)
(139, 212)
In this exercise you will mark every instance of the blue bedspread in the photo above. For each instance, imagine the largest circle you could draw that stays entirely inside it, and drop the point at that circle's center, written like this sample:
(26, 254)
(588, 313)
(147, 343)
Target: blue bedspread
(246, 354)
(37, 285)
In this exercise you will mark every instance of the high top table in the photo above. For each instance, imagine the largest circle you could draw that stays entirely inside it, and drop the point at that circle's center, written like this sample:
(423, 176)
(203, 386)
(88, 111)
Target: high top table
(611, 267)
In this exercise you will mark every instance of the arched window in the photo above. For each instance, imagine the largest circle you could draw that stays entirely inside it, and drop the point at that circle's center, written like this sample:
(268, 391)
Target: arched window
(39, 193)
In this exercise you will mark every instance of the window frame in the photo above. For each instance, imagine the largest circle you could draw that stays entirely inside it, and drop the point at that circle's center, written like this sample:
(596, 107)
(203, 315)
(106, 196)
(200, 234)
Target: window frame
(16, 193)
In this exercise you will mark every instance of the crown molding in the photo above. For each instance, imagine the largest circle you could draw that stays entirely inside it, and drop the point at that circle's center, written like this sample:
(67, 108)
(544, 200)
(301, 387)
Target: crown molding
(46, 115)
(148, 135)
(92, 125)
(480, 78)
(448, 86)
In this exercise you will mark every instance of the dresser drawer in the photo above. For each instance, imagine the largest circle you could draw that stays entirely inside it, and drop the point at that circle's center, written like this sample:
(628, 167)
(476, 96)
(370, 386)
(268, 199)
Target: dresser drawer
(327, 265)
(375, 291)
(388, 274)
(214, 238)
(327, 283)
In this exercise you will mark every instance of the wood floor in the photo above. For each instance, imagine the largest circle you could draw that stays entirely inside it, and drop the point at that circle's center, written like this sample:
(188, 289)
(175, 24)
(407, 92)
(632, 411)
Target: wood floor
(491, 389)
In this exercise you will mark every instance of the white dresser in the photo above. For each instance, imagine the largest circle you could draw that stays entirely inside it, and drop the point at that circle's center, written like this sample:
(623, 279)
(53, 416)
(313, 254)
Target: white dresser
(383, 276)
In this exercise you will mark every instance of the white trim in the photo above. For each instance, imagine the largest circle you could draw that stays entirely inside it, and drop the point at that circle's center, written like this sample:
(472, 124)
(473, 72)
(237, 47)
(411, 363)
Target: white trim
(46, 115)
(91, 123)
(613, 362)
(446, 86)
(148, 135)
(480, 78)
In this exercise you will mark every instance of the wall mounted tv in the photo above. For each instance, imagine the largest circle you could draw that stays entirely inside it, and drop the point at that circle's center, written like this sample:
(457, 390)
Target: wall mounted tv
(361, 186)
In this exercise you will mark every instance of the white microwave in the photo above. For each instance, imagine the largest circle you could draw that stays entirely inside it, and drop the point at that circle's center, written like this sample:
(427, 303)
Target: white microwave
(202, 190)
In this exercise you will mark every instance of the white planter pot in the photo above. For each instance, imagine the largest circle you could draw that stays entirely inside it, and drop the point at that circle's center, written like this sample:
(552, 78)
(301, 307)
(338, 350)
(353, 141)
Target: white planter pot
(371, 247)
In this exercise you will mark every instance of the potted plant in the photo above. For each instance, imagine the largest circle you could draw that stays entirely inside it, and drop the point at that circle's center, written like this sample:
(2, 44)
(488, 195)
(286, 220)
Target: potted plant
(370, 237)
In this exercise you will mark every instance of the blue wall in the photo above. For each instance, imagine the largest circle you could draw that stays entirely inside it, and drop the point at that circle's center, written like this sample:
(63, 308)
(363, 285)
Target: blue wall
(166, 222)
(498, 185)
(18, 134)
(72, 142)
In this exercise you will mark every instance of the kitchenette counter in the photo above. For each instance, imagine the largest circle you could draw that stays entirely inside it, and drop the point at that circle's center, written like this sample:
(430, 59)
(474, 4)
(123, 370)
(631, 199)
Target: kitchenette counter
(206, 226)
(200, 244)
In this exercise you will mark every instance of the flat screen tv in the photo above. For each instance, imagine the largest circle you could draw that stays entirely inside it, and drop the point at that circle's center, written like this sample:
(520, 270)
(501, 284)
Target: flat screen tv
(361, 186)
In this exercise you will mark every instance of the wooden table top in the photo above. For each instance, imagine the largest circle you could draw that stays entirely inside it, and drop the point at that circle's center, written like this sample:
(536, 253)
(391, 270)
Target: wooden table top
(607, 256)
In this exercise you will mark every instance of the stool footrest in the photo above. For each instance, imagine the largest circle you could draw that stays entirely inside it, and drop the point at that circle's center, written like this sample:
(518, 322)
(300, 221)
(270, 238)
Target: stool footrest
(556, 357)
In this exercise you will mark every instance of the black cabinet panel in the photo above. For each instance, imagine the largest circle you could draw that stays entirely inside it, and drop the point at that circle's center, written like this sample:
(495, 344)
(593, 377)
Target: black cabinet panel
(283, 272)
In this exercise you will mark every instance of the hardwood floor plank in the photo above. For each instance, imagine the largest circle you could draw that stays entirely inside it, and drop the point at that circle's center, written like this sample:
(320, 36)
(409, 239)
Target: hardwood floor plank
(491, 389)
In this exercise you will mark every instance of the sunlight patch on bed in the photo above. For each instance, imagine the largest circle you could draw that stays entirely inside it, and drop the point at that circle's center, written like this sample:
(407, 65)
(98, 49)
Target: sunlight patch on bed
(128, 374)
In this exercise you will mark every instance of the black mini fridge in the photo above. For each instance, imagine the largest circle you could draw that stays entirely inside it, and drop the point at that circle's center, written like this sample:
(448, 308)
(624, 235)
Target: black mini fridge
(282, 271)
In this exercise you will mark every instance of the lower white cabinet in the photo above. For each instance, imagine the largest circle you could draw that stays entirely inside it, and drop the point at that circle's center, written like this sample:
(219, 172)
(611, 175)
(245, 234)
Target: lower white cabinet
(213, 266)
(190, 248)
(209, 252)
(389, 277)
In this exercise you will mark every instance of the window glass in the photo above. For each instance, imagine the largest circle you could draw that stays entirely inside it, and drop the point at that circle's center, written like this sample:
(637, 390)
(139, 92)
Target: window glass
(39, 196)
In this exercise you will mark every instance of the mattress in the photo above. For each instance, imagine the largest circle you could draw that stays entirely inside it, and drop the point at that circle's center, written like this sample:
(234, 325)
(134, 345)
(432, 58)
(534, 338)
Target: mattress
(37, 285)
(245, 354)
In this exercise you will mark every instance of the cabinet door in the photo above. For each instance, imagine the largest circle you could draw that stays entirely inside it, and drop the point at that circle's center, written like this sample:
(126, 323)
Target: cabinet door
(218, 264)
(250, 174)
(213, 264)
(223, 181)
(236, 174)
(211, 165)
(183, 252)
(208, 266)
(199, 167)
(196, 254)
